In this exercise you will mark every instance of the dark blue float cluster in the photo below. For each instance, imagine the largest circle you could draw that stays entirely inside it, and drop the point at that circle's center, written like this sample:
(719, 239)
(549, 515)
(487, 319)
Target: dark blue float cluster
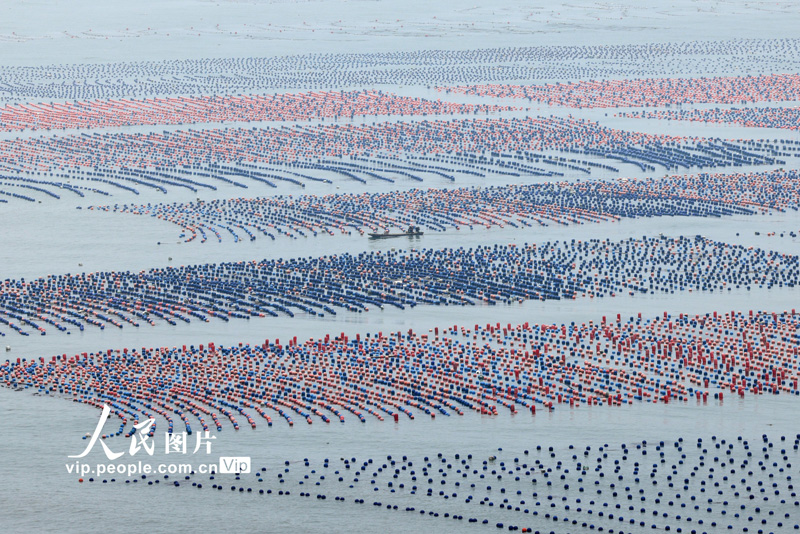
(561, 203)
(320, 286)
(194, 159)
(695, 485)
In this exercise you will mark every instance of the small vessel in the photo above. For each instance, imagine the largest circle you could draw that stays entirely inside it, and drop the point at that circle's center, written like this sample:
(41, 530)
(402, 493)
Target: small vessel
(411, 232)
(401, 234)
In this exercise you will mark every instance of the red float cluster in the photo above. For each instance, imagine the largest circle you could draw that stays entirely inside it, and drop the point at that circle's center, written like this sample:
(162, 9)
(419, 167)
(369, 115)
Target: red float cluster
(482, 369)
(211, 109)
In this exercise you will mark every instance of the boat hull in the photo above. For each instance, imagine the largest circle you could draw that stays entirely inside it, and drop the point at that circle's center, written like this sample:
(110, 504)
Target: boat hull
(387, 236)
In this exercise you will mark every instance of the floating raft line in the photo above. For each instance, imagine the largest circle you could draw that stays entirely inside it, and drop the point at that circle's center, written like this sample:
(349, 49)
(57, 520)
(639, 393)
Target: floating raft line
(487, 369)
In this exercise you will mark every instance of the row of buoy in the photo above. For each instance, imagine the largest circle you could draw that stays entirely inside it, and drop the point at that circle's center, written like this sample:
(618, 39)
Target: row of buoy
(680, 484)
(210, 175)
(483, 275)
(483, 369)
(517, 206)
(647, 92)
(783, 118)
(162, 160)
(318, 105)
(233, 76)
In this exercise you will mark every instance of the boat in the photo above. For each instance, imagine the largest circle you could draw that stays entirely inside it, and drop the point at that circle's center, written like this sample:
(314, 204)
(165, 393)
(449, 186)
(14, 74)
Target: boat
(401, 234)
